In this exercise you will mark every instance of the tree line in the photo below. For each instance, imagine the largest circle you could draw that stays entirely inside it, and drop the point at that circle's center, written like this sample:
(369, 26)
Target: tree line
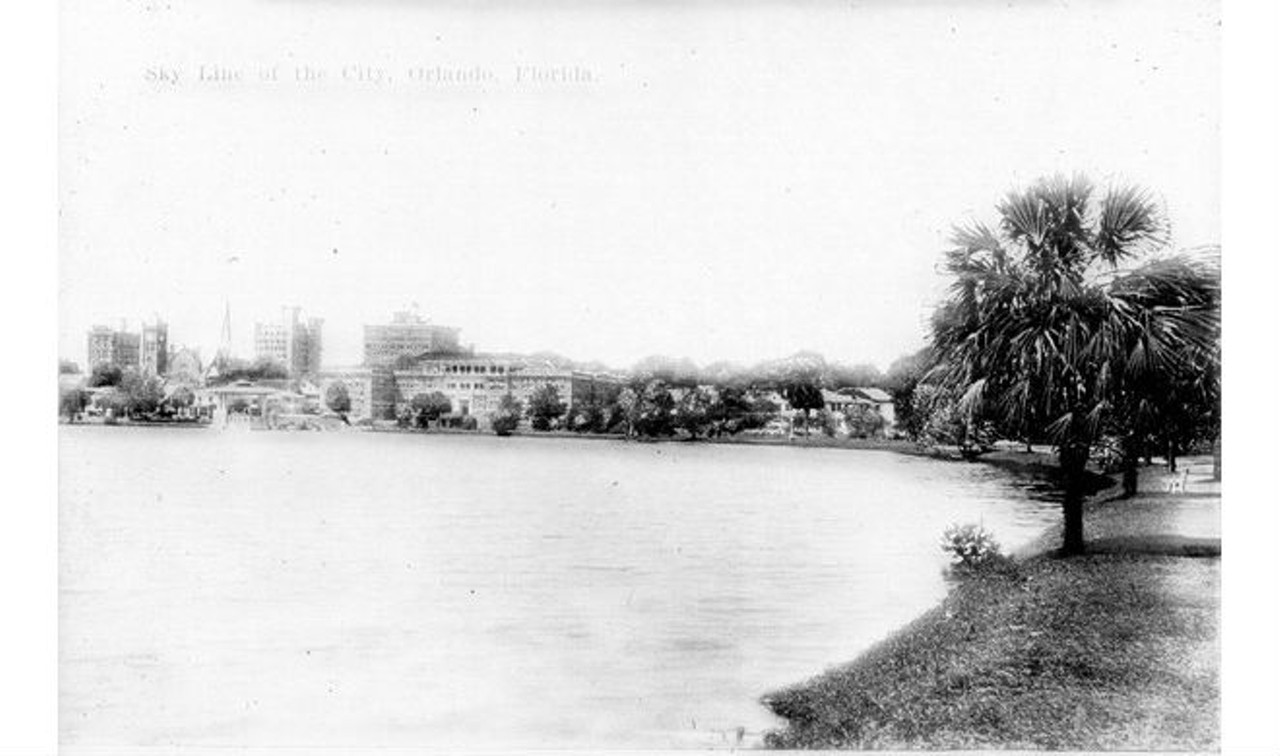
(663, 398)
(125, 394)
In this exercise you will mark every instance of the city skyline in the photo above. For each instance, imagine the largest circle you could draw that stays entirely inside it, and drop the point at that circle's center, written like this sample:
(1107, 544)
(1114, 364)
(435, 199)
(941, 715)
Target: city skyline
(264, 346)
(692, 199)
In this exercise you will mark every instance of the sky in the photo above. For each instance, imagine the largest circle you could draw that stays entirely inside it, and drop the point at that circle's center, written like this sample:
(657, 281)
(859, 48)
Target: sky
(709, 180)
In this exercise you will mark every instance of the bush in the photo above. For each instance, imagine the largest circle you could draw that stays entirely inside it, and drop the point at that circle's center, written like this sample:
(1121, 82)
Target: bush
(507, 418)
(405, 418)
(72, 402)
(829, 422)
(973, 549)
(545, 408)
(338, 399)
(429, 408)
(865, 422)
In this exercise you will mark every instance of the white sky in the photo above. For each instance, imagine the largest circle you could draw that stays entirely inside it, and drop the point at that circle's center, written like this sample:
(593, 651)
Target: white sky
(741, 180)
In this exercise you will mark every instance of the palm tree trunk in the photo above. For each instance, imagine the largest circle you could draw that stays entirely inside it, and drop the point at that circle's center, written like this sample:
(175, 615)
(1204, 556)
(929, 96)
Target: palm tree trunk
(1217, 459)
(1131, 456)
(1072, 460)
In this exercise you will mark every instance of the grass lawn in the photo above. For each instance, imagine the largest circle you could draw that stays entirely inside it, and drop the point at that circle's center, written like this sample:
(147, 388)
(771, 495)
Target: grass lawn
(1114, 650)
(1101, 652)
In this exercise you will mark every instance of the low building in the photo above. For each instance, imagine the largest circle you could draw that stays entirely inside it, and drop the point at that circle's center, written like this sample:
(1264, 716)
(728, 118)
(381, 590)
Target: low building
(371, 390)
(835, 401)
(476, 384)
(239, 396)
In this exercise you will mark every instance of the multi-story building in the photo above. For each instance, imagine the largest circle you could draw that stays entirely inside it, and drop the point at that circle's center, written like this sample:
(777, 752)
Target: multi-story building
(407, 336)
(107, 346)
(293, 342)
(371, 390)
(154, 351)
(475, 384)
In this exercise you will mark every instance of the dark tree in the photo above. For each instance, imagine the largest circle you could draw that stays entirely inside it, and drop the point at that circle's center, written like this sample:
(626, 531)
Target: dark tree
(262, 368)
(507, 417)
(338, 400)
(144, 394)
(734, 410)
(105, 374)
(694, 411)
(1041, 316)
(900, 381)
(72, 402)
(545, 407)
(655, 410)
(428, 408)
(805, 395)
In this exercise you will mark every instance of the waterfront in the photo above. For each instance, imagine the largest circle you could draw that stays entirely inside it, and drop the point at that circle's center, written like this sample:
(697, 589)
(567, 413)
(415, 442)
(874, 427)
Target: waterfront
(274, 589)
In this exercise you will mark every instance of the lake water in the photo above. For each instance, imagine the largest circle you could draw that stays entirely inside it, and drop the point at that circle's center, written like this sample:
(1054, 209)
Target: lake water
(343, 589)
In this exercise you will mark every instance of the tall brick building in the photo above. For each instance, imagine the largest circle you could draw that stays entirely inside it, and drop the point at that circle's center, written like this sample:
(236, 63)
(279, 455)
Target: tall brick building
(293, 342)
(108, 346)
(407, 336)
(154, 351)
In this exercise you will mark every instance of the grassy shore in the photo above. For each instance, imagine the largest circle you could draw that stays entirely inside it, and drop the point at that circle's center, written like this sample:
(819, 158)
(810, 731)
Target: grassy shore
(1113, 650)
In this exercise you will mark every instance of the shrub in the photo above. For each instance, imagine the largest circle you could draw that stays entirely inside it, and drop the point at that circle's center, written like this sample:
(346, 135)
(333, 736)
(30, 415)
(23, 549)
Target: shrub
(507, 418)
(865, 422)
(545, 408)
(405, 417)
(72, 402)
(829, 422)
(973, 548)
(429, 408)
(338, 399)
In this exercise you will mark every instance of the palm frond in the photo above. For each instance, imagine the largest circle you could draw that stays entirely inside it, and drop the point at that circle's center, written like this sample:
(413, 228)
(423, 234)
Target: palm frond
(1129, 223)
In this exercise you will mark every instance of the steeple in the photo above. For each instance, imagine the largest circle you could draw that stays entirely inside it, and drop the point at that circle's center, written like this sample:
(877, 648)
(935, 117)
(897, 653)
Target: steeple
(224, 342)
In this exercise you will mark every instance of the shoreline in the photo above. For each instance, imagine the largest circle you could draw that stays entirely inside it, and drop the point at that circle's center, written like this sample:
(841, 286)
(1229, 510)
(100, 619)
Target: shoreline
(1011, 459)
(1039, 464)
(1116, 649)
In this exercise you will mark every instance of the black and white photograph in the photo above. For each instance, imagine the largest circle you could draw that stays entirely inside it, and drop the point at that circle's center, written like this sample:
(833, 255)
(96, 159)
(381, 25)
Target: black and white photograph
(641, 376)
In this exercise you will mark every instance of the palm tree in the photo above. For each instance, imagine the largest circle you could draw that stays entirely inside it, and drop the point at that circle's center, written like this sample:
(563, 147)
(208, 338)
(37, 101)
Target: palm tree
(1043, 324)
(1166, 403)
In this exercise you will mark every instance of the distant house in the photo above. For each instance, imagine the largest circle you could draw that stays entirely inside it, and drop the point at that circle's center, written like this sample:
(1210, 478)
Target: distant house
(835, 401)
(847, 400)
(879, 399)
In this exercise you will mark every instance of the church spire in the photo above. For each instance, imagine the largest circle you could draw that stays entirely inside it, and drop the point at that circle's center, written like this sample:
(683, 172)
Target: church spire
(224, 343)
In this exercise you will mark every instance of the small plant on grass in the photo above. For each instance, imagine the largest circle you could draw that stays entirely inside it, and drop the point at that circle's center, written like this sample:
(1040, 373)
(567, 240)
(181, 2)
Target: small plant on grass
(973, 549)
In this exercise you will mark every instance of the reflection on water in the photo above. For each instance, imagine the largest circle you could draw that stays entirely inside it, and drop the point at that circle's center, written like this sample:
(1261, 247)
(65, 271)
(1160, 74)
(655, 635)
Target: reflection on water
(402, 590)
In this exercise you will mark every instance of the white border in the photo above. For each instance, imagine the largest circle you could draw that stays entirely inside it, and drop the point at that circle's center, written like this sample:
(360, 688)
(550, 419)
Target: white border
(28, 517)
(1251, 206)
(28, 502)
